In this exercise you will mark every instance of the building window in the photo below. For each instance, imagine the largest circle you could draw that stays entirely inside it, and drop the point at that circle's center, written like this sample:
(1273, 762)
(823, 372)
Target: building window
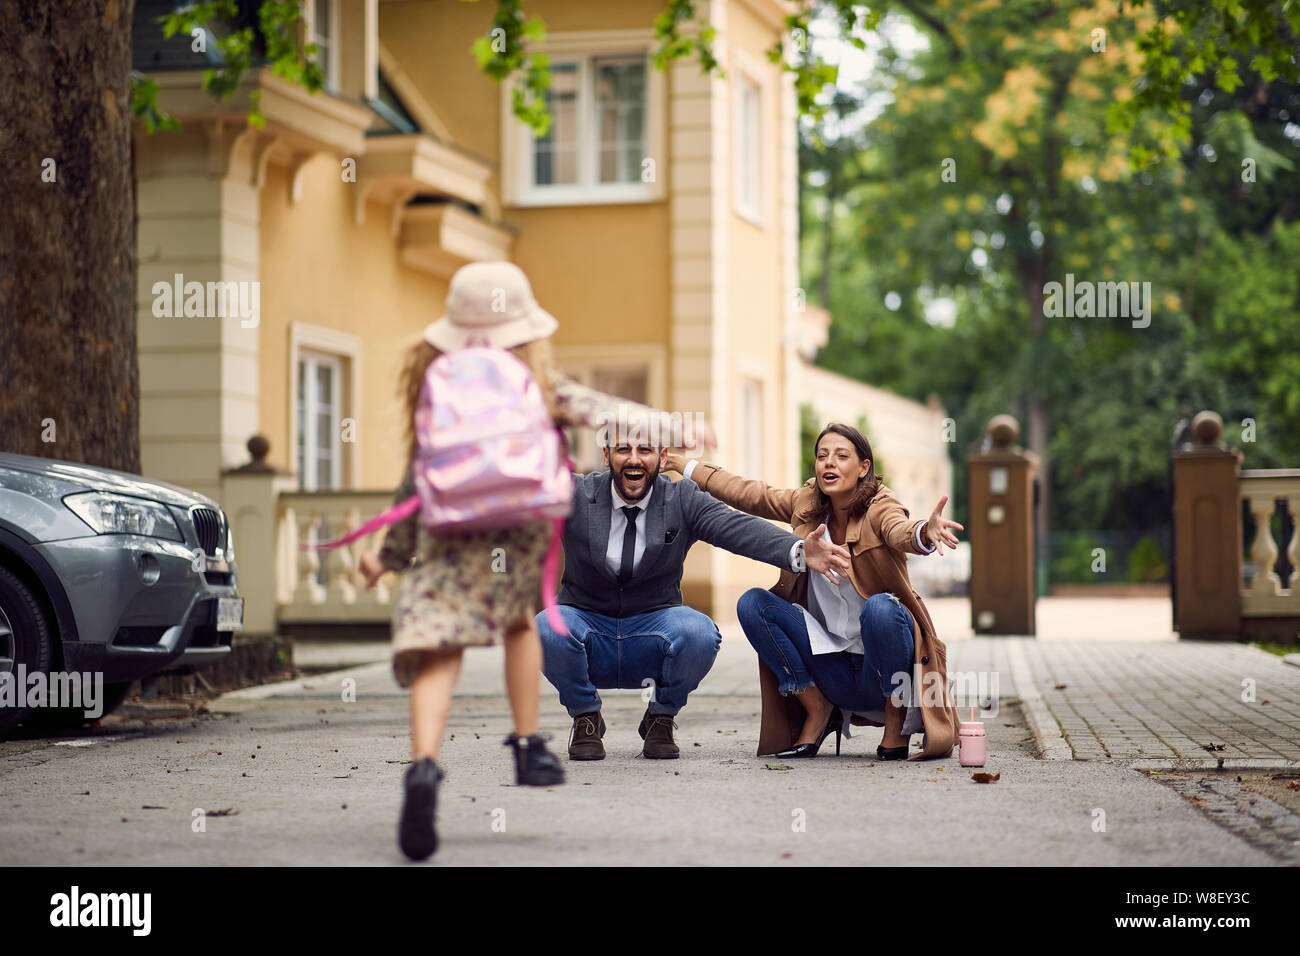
(320, 416)
(555, 155)
(749, 148)
(598, 142)
(323, 32)
(620, 118)
(751, 428)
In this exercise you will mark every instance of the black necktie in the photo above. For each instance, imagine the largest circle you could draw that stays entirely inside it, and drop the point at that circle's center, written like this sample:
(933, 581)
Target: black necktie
(629, 544)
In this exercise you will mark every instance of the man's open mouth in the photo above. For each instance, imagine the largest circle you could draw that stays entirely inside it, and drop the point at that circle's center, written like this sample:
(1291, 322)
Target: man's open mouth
(633, 477)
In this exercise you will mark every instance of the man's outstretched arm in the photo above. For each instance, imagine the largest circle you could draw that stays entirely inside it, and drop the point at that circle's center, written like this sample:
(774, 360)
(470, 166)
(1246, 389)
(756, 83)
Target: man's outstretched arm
(723, 527)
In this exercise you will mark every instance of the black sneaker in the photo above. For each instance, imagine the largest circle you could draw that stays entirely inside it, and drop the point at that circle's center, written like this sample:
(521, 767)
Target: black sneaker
(416, 833)
(535, 766)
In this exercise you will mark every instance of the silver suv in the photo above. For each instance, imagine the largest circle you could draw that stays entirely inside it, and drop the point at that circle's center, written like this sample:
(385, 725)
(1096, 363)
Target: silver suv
(105, 573)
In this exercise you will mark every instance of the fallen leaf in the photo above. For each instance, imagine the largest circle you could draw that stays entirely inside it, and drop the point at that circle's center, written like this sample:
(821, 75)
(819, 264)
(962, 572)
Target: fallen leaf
(227, 812)
(148, 807)
(777, 766)
(981, 776)
(1061, 686)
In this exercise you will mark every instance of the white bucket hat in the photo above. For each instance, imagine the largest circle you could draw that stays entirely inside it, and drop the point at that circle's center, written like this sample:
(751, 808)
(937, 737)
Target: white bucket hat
(490, 303)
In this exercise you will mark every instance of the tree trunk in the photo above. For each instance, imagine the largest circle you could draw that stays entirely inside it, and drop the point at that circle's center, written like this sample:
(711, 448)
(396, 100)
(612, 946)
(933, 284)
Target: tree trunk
(1035, 436)
(69, 379)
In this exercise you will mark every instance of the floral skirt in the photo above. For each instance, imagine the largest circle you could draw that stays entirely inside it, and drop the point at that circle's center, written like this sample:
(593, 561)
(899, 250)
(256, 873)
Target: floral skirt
(465, 591)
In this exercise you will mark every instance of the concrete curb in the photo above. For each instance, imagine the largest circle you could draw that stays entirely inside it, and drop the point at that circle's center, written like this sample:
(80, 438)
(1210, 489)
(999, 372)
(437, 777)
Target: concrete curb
(263, 691)
(1041, 722)
(1210, 763)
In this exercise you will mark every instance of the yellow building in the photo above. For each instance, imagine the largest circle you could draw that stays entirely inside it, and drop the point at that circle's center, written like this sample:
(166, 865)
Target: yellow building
(657, 221)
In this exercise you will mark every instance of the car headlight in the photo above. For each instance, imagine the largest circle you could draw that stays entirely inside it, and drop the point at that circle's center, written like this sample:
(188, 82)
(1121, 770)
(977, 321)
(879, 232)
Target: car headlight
(120, 514)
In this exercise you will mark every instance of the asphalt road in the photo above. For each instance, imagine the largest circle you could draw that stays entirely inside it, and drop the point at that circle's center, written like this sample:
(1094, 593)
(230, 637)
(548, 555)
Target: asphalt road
(297, 776)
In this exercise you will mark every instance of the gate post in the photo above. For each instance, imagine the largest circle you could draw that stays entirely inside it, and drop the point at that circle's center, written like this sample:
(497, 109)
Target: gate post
(1002, 582)
(1207, 534)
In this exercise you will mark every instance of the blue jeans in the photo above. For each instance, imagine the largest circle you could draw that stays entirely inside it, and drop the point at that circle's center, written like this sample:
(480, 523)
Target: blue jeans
(856, 682)
(673, 647)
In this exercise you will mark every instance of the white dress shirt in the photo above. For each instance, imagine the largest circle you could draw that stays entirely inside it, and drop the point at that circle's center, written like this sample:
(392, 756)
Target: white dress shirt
(618, 528)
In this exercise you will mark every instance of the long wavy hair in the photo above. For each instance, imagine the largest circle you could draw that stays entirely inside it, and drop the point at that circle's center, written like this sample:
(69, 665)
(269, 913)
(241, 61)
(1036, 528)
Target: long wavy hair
(868, 484)
(537, 355)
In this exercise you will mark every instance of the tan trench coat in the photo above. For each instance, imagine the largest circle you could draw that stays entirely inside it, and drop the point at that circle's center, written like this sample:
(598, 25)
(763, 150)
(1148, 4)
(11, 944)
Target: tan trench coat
(878, 542)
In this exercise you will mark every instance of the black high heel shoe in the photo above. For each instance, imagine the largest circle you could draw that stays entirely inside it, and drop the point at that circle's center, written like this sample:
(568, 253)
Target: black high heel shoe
(835, 724)
(893, 753)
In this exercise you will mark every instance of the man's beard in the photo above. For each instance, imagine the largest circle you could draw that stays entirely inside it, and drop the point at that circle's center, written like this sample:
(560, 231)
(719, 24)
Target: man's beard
(651, 473)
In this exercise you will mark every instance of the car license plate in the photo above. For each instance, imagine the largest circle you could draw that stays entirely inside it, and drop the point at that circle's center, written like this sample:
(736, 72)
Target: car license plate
(230, 613)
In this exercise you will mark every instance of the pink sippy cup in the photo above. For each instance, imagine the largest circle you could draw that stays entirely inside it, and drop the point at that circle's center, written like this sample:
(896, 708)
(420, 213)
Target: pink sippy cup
(970, 738)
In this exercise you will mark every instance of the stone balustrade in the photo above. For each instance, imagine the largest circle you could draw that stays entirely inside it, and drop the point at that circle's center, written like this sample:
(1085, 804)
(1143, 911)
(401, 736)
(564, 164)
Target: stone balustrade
(325, 586)
(1265, 596)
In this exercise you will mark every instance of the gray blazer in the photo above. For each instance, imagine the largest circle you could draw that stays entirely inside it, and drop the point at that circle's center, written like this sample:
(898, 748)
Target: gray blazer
(679, 514)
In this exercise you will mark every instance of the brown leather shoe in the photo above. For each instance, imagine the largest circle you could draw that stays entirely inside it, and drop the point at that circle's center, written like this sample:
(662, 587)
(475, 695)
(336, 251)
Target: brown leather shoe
(657, 732)
(584, 741)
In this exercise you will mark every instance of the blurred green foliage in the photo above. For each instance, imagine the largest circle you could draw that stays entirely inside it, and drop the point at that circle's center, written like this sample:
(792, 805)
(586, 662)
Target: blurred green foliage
(987, 165)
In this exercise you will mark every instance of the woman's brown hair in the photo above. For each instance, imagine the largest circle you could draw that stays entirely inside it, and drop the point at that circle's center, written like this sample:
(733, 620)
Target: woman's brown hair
(868, 484)
(535, 354)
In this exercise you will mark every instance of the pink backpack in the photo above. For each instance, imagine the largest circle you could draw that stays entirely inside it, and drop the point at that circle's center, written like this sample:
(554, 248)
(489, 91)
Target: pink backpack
(488, 455)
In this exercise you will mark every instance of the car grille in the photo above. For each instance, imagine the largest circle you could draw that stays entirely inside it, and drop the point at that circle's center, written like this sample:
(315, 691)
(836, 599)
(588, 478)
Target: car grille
(207, 528)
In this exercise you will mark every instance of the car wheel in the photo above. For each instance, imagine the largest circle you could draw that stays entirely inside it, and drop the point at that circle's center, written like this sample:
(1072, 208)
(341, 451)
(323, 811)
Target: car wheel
(25, 639)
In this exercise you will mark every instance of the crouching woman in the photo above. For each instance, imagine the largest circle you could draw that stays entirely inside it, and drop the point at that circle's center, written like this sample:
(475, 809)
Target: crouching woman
(831, 654)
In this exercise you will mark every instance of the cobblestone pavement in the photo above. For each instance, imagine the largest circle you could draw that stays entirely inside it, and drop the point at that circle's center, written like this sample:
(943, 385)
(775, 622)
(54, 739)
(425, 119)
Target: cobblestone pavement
(1152, 703)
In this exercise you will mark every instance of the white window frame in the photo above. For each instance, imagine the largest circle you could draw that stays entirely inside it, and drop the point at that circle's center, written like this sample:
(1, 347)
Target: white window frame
(581, 362)
(752, 422)
(517, 139)
(318, 342)
(307, 424)
(747, 150)
(332, 48)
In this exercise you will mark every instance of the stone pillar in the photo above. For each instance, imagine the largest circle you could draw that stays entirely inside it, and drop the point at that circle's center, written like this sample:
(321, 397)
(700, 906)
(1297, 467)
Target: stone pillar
(250, 496)
(1001, 530)
(699, 204)
(1207, 534)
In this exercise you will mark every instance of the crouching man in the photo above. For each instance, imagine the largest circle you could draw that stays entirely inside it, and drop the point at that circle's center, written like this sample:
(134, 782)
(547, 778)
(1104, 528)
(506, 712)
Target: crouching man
(625, 546)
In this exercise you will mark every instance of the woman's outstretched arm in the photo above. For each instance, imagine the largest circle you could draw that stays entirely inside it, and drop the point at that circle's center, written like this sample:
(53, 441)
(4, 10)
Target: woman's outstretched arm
(747, 494)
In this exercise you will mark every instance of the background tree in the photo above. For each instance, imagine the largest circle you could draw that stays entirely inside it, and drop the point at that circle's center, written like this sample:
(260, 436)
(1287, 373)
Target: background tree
(1022, 108)
(69, 381)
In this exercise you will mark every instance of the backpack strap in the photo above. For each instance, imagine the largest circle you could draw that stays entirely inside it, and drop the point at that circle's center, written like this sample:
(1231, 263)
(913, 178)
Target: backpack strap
(399, 511)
